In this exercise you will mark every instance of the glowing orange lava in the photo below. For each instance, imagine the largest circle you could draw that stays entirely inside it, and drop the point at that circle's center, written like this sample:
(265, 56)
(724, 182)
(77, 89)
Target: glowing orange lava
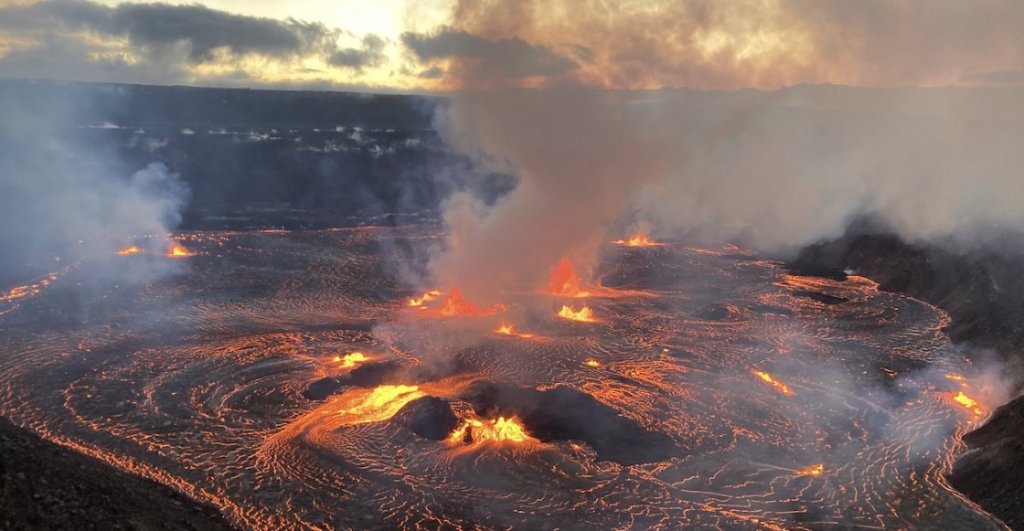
(428, 296)
(509, 330)
(379, 404)
(968, 403)
(178, 250)
(351, 360)
(768, 379)
(585, 314)
(130, 250)
(31, 290)
(456, 304)
(955, 377)
(639, 240)
(498, 431)
(564, 281)
(505, 329)
(813, 470)
(591, 362)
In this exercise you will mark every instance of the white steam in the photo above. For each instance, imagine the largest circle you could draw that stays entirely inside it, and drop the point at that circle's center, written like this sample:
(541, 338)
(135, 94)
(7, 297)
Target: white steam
(773, 171)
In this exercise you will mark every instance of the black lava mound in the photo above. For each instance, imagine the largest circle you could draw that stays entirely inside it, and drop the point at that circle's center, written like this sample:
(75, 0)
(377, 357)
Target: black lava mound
(563, 413)
(323, 388)
(429, 417)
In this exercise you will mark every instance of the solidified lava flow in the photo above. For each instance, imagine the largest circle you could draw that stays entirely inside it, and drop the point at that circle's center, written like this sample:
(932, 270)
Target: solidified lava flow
(725, 396)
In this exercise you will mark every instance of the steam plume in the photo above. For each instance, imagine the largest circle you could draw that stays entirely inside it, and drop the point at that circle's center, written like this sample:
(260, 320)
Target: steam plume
(66, 198)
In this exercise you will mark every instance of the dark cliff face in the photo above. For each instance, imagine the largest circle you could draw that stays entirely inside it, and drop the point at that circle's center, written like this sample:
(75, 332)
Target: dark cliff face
(983, 292)
(992, 472)
(46, 486)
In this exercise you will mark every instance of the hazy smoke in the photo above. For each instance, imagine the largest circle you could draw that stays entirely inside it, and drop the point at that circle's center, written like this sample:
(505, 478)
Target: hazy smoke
(749, 43)
(772, 171)
(66, 196)
(579, 156)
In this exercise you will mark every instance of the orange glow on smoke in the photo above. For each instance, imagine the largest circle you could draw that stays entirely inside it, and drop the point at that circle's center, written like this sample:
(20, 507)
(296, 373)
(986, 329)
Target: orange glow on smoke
(178, 250)
(132, 249)
(564, 281)
(585, 314)
(500, 430)
(813, 470)
(379, 404)
(768, 379)
(351, 360)
(427, 297)
(639, 240)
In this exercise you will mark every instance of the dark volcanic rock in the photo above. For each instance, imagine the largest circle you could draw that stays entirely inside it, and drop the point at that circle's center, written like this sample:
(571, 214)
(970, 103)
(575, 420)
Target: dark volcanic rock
(377, 373)
(992, 473)
(564, 413)
(823, 298)
(322, 388)
(45, 486)
(715, 312)
(429, 417)
(981, 289)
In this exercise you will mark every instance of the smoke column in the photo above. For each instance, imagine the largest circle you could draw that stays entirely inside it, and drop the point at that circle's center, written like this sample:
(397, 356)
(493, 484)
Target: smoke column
(66, 197)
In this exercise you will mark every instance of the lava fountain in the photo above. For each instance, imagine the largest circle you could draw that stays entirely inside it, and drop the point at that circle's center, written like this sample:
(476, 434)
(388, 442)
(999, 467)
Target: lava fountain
(499, 430)
(177, 250)
(639, 240)
(584, 314)
(564, 282)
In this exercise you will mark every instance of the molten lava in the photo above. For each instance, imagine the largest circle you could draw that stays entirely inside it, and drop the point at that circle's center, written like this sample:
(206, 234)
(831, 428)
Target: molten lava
(178, 250)
(130, 250)
(499, 430)
(768, 379)
(351, 360)
(639, 240)
(585, 314)
(428, 296)
(509, 330)
(968, 403)
(504, 329)
(813, 470)
(591, 362)
(379, 404)
(456, 304)
(564, 281)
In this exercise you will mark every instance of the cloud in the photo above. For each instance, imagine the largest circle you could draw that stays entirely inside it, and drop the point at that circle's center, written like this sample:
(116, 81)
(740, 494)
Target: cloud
(157, 27)
(371, 54)
(750, 43)
(485, 59)
(175, 44)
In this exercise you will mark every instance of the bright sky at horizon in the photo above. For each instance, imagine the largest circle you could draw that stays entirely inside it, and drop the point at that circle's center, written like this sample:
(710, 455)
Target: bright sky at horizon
(429, 45)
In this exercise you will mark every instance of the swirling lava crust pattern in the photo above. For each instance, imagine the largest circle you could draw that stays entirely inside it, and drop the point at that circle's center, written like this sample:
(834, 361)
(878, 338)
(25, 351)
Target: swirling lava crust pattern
(735, 395)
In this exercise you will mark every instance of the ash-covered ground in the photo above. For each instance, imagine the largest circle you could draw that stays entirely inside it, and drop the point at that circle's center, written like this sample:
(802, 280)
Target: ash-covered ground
(711, 388)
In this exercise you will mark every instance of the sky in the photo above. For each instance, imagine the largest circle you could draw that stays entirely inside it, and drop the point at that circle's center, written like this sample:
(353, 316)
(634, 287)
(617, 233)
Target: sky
(451, 45)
